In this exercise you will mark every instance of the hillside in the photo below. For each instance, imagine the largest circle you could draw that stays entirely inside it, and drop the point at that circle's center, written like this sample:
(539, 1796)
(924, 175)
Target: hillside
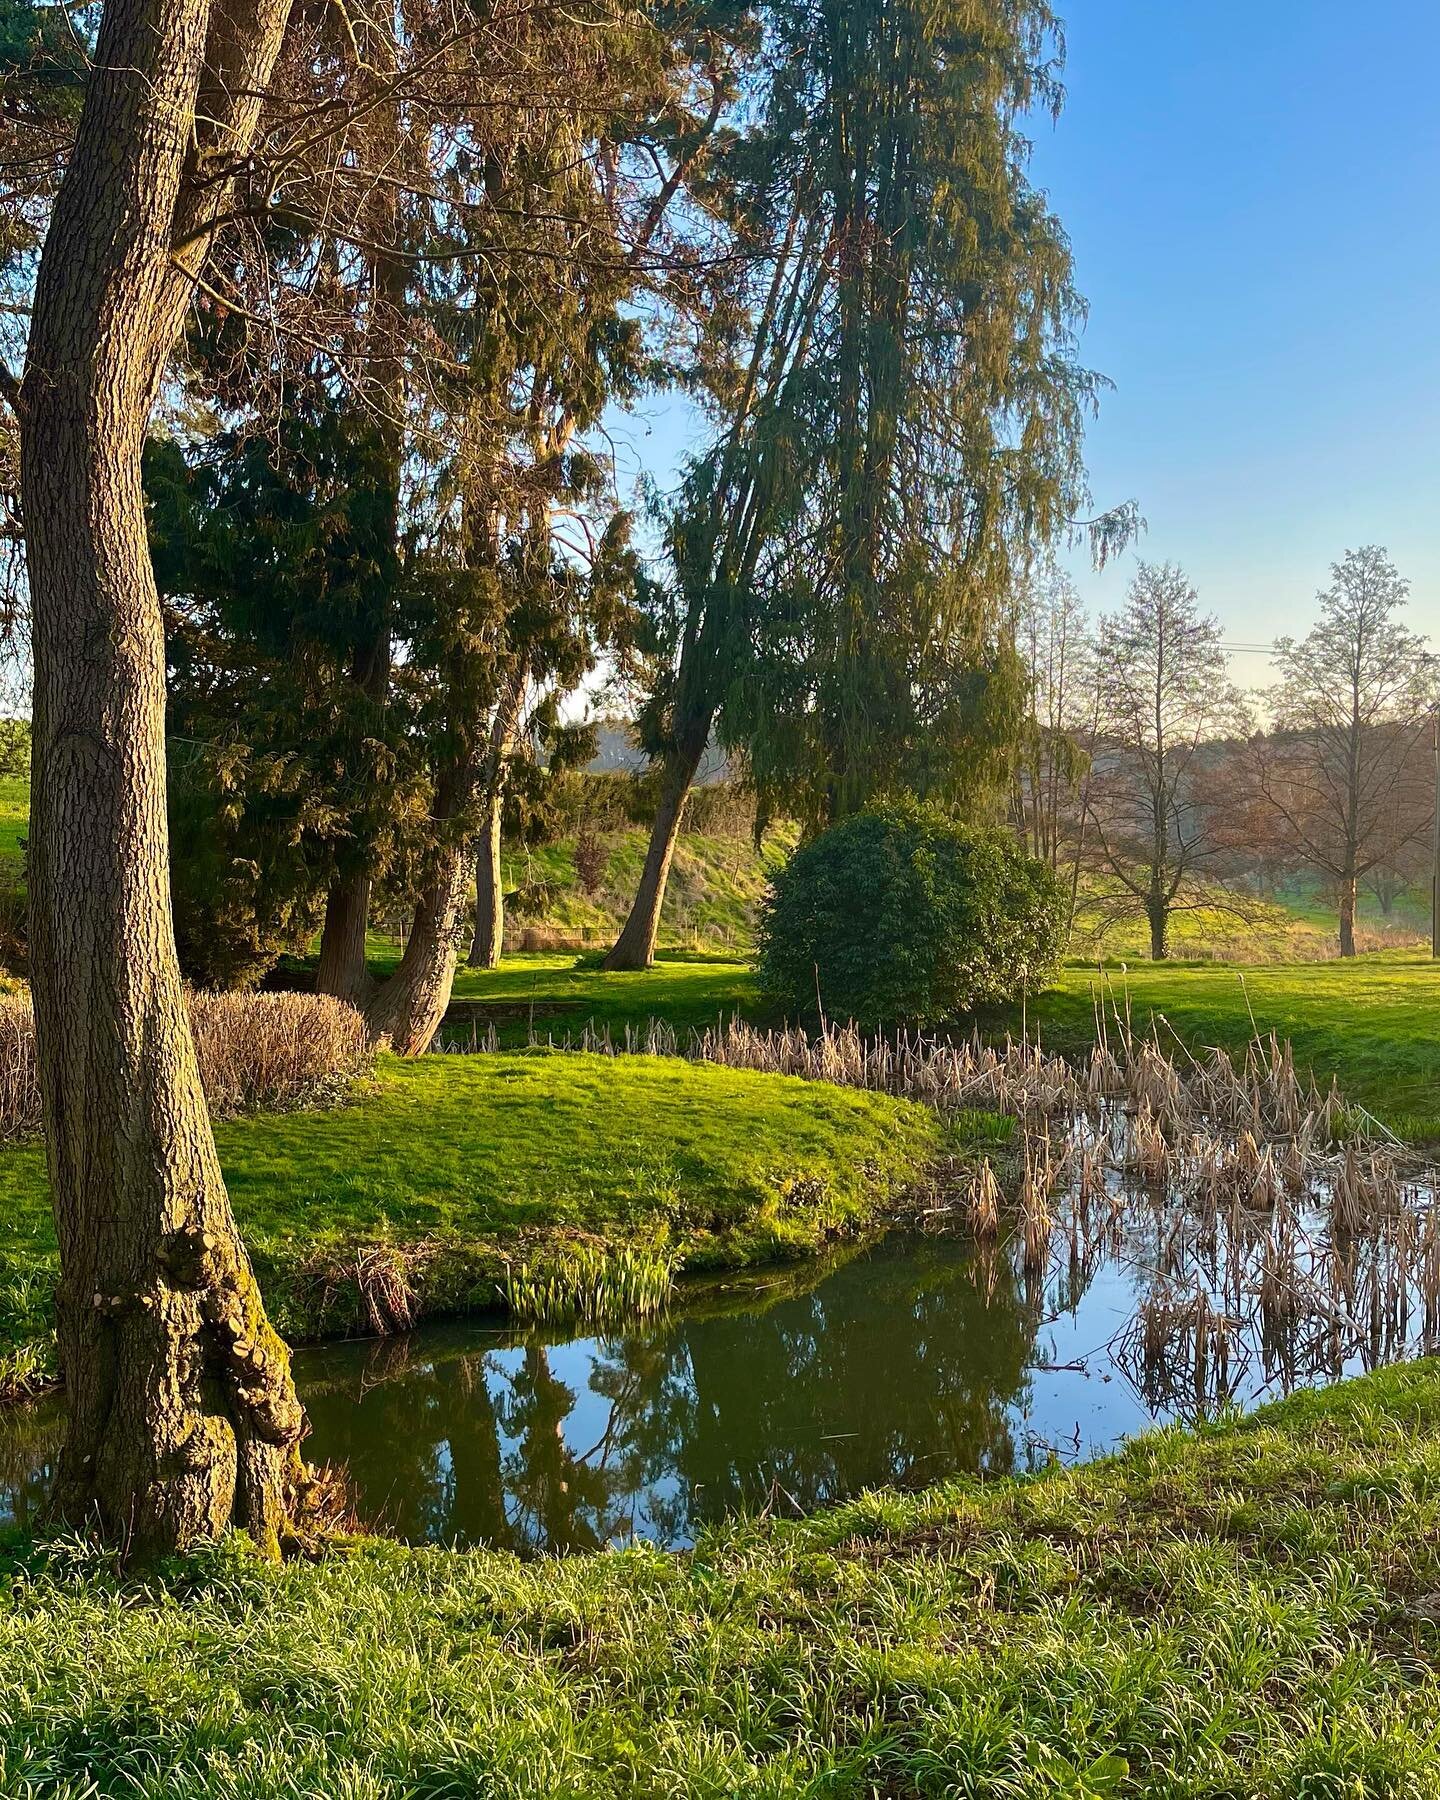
(716, 883)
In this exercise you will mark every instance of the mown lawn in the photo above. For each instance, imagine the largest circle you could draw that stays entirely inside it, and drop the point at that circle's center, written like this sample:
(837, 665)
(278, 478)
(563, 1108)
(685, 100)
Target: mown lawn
(1373, 1023)
(560, 993)
(466, 1165)
(1254, 1611)
(14, 819)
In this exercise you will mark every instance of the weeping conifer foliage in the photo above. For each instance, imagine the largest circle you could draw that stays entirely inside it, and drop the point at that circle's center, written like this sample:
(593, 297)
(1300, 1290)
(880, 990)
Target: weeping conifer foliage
(903, 424)
(942, 409)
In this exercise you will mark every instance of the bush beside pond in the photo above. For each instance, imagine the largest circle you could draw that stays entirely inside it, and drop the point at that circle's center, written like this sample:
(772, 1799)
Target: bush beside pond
(899, 916)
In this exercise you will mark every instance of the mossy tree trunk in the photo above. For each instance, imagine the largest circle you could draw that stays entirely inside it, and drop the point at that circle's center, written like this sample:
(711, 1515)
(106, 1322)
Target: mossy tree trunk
(182, 1414)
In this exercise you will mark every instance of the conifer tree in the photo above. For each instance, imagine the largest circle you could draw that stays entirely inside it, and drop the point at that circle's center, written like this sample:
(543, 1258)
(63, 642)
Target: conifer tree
(899, 427)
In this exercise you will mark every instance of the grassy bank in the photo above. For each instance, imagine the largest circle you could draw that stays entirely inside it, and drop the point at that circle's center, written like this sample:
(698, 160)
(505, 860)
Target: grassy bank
(453, 1182)
(559, 992)
(1252, 1611)
(1370, 1023)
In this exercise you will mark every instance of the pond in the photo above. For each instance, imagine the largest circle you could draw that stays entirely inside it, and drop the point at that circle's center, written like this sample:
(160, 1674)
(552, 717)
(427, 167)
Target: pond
(911, 1359)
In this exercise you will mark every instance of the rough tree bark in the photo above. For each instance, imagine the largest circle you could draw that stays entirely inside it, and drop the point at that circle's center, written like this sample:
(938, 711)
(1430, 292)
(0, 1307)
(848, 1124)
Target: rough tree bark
(182, 1413)
(407, 1008)
(489, 937)
(342, 969)
(635, 946)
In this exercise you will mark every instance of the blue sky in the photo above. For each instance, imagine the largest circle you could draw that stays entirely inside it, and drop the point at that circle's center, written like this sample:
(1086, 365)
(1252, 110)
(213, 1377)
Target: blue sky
(1252, 190)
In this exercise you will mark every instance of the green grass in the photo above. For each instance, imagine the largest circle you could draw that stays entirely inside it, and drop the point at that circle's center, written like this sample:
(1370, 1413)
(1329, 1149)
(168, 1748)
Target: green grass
(1297, 924)
(470, 1170)
(1373, 1023)
(1251, 1612)
(716, 881)
(562, 993)
(14, 818)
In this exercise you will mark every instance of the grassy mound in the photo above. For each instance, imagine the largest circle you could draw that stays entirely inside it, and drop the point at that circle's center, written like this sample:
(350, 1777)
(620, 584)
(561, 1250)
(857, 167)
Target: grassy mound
(712, 897)
(451, 1182)
(1252, 1611)
(1371, 1022)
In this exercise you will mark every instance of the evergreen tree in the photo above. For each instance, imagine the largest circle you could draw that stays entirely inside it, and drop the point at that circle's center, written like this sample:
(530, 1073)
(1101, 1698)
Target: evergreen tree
(900, 424)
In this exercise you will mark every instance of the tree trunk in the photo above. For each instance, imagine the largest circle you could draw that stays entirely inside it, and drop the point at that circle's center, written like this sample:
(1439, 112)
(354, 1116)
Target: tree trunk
(342, 969)
(182, 1414)
(407, 1008)
(635, 946)
(1158, 913)
(1347, 915)
(489, 939)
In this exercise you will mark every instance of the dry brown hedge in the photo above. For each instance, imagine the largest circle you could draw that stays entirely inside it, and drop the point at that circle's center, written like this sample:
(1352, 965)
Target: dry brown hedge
(258, 1053)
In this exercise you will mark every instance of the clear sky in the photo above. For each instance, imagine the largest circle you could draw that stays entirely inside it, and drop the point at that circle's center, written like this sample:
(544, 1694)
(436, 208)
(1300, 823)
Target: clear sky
(1252, 190)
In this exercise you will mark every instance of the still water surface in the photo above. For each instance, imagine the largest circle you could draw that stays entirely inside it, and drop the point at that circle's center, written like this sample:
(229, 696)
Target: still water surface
(900, 1364)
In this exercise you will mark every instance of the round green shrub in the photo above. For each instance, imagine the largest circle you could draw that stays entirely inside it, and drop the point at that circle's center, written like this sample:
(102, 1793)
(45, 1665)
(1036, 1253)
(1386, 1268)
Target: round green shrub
(899, 916)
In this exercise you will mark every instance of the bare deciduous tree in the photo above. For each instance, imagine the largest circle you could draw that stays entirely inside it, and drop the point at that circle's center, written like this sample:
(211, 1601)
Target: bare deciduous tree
(1342, 773)
(1164, 693)
(1052, 636)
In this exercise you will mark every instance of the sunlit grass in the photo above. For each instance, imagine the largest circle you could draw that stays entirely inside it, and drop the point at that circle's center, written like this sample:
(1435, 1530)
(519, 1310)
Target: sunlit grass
(471, 1167)
(1247, 1612)
(1370, 1023)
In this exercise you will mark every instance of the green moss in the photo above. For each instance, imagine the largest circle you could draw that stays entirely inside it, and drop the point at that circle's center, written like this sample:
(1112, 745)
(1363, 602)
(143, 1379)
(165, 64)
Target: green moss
(458, 1167)
(1250, 1611)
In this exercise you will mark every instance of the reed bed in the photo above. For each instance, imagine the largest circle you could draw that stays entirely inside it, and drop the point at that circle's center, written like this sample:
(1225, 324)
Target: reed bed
(592, 1284)
(257, 1052)
(1272, 1234)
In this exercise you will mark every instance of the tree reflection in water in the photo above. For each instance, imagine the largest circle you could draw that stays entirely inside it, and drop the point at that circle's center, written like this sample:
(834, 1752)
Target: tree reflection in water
(915, 1359)
(895, 1367)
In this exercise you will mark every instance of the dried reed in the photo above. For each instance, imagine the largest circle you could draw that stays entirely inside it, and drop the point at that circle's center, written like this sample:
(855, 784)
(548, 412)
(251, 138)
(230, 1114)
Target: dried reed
(271, 1052)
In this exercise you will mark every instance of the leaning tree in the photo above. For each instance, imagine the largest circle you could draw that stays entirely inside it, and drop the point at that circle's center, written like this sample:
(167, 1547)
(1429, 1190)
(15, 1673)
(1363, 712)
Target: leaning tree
(897, 428)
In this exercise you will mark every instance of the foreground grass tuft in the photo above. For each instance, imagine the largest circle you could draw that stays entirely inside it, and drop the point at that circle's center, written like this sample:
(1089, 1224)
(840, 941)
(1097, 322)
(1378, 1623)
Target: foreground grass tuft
(1252, 1611)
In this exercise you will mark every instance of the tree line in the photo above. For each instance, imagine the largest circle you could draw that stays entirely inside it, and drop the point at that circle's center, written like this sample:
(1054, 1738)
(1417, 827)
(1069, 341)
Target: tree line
(1157, 787)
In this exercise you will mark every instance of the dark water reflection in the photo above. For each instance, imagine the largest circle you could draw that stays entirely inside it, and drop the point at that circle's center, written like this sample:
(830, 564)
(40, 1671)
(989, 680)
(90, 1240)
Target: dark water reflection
(895, 1367)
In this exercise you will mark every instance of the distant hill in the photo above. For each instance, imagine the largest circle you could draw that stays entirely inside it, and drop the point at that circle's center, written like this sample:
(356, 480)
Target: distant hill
(618, 754)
